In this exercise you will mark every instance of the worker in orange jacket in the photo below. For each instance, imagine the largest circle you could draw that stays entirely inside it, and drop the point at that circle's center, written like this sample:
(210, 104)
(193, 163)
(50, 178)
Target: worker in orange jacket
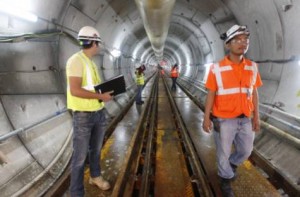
(174, 76)
(232, 101)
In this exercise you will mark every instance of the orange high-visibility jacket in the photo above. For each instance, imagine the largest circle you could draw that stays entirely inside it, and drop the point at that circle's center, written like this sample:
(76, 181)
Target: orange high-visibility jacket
(174, 72)
(234, 86)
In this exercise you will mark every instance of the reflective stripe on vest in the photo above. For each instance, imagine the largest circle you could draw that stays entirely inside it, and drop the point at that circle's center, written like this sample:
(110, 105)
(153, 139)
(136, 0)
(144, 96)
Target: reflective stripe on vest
(89, 81)
(217, 70)
(254, 69)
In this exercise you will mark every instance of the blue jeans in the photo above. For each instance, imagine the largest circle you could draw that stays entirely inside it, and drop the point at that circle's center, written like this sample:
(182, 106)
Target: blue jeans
(138, 98)
(88, 135)
(236, 131)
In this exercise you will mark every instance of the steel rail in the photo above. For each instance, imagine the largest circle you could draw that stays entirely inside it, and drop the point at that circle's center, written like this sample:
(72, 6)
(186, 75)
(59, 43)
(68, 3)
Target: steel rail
(145, 185)
(203, 186)
(123, 184)
(258, 159)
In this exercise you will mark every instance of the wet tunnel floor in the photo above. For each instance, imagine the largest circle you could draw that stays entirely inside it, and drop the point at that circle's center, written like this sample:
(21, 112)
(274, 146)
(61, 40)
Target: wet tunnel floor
(171, 175)
(250, 182)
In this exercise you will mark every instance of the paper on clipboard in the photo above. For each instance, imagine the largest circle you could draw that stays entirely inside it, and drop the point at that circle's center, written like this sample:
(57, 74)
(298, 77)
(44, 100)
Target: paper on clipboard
(116, 84)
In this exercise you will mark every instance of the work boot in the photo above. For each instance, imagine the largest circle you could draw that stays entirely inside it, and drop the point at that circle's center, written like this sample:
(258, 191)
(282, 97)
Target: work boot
(226, 187)
(99, 182)
(234, 170)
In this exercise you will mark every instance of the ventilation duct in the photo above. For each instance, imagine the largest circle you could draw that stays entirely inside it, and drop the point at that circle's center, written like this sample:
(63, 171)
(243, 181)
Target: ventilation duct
(156, 17)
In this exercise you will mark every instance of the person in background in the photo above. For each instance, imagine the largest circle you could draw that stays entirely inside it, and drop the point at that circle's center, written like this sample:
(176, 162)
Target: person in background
(162, 72)
(174, 76)
(140, 82)
(232, 102)
(88, 112)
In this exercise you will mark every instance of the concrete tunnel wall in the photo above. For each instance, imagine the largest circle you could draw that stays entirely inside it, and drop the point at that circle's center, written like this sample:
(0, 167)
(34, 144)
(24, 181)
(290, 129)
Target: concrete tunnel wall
(32, 72)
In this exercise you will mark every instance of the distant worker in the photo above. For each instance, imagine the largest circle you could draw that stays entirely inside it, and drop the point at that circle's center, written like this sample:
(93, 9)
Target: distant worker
(233, 101)
(162, 72)
(140, 82)
(88, 112)
(174, 76)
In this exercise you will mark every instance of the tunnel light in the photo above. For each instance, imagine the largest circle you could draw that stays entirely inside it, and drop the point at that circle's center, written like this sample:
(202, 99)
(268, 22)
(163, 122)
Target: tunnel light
(299, 62)
(11, 10)
(115, 53)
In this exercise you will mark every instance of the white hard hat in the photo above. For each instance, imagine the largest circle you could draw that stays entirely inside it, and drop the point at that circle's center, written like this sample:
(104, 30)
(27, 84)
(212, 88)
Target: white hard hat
(234, 31)
(137, 66)
(89, 33)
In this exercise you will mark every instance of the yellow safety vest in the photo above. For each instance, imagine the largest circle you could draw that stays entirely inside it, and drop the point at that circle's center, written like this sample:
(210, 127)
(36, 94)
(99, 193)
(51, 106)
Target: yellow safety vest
(90, 78)
(140, 80)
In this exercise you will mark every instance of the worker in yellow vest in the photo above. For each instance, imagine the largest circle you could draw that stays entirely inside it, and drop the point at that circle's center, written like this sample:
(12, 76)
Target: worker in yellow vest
(140, 82)
(88, 114)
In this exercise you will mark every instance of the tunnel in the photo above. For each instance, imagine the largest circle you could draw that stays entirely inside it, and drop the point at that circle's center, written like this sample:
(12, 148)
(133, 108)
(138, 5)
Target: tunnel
(36, 126)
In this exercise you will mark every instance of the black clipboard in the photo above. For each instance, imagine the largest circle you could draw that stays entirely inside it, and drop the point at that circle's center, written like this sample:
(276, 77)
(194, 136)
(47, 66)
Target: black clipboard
(116, 84)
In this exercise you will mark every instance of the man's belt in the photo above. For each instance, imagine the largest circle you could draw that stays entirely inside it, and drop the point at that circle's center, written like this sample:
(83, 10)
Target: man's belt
(88, 112)
(241, 116)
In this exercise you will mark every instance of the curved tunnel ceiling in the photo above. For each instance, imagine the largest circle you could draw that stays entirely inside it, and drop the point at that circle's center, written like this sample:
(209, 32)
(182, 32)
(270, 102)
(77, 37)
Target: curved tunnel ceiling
(33, 58)
(184, 31)
(200, 23)
(196, 24)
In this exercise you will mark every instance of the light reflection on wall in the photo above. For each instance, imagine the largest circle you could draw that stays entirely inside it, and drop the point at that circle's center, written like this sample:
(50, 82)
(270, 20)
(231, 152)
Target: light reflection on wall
(139, 46)
(18, 8)
(207, 67)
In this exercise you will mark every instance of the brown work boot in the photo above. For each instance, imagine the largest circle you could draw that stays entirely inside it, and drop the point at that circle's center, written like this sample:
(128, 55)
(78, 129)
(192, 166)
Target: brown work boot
(226, 187)
(99, 182)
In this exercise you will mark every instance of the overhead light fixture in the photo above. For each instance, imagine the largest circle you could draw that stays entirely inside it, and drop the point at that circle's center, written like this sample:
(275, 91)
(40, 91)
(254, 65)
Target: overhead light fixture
(115, 53)
(14, 11)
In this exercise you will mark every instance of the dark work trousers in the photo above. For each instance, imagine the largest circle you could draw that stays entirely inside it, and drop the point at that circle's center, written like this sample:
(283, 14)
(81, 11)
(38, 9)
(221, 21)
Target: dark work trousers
(173, 83)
